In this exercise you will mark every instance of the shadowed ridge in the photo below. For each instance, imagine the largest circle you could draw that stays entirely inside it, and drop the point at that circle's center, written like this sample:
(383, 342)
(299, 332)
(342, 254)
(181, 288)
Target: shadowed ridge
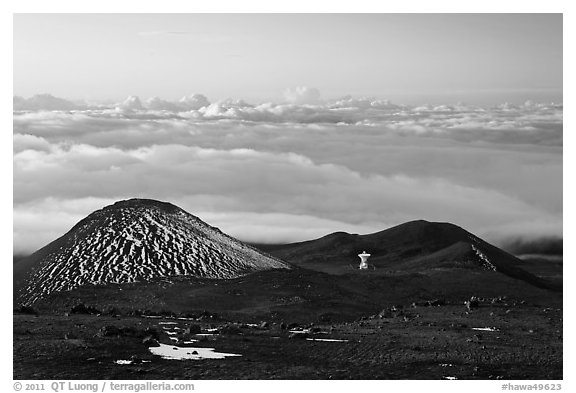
(434, 234)
(413, 246)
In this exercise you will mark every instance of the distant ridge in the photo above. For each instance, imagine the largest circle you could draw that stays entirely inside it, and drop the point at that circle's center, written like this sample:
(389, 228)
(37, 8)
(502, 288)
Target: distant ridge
(135, 240)
(413, 246)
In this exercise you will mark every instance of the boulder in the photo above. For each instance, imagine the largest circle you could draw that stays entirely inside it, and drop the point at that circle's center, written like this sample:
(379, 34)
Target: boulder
(193, 329)
(472, 303)
(435, 303)
(83, 309)
(206, 315)
(263, 325)
(129, 331)
(109, 331)
(151, 332)
(230, 329)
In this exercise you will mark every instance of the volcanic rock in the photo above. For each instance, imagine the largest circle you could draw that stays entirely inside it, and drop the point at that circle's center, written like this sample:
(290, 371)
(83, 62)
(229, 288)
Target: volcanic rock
(135, 240)
(193, 329)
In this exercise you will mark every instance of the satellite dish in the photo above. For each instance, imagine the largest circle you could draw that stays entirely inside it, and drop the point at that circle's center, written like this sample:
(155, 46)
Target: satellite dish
(364, 260)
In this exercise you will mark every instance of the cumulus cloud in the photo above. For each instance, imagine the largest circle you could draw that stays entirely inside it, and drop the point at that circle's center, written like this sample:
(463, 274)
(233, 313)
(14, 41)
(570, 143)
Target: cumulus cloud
(288, 172)
(158, 104)
(302, 95)
(132, 103)
(193, 102)
(362, 103)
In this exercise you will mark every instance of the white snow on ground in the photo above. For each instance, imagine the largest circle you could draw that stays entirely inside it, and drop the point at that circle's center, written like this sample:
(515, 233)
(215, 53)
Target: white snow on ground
(124, 362)
(336, 340)
(183, 353)
(487, 329)
(485, 261)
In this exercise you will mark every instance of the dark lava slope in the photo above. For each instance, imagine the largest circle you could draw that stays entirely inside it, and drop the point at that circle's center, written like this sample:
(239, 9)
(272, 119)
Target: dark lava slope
(414, 246)
(135, 240)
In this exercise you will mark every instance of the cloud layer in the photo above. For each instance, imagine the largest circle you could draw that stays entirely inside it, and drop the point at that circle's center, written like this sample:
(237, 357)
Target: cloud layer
(293, 171)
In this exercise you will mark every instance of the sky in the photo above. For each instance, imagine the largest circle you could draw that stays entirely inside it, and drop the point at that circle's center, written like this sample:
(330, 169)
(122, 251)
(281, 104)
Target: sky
(408, 58)
(279, 128)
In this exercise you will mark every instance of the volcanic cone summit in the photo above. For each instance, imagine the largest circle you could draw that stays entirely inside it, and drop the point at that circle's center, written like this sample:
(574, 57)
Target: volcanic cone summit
(136, 240)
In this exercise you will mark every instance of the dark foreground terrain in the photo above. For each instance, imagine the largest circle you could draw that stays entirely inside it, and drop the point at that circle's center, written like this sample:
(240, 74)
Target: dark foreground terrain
(413, 343)
(411, 326)
(142, 289)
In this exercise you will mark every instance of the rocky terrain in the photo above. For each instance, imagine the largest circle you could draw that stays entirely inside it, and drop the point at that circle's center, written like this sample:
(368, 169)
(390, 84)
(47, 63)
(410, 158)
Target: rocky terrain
(144, 290)
(501, 338)
(135, 240)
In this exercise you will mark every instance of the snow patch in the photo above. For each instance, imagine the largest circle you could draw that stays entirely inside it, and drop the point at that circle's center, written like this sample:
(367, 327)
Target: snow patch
(486, 263)
(487, 329)
(336, 340)
(183, 353)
